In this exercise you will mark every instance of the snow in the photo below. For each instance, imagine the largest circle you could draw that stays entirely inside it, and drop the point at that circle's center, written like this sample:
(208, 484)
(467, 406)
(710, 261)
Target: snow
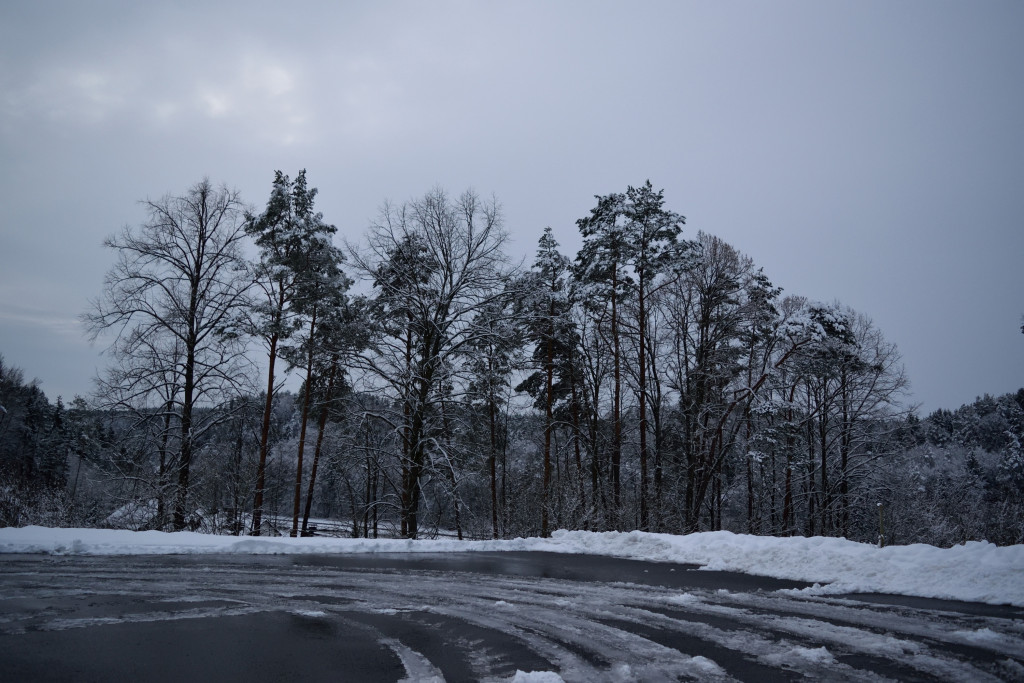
(704, 667)
(536, 677)
(974, 571)
(418, 667)
(817, 655)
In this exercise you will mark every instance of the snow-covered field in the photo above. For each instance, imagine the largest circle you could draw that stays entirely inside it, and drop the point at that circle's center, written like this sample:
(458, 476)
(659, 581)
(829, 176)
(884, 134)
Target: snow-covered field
(976, 571)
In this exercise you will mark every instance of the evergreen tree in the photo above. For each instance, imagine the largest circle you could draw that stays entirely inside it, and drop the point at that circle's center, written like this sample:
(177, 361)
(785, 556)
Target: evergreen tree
(549, 328)
(491, 359)
(653, 233)
(600, 273)
(320, 287)
(341, 331)
(295, 259)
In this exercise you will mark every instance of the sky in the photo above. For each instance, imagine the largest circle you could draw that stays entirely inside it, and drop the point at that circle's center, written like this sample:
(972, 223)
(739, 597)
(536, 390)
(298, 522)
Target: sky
(870, 153)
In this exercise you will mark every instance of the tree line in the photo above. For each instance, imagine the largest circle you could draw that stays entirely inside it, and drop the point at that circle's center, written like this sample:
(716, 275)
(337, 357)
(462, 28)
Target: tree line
(654, 381)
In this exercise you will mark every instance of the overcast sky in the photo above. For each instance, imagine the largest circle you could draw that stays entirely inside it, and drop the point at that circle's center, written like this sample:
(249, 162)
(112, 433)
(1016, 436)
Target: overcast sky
(865, 152)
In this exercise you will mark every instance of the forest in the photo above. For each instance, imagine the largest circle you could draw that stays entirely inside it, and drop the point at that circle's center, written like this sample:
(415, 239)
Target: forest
(269, 377)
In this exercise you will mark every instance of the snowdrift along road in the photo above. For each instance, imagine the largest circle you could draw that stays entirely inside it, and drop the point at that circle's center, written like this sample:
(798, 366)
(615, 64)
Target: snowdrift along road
(974, 571)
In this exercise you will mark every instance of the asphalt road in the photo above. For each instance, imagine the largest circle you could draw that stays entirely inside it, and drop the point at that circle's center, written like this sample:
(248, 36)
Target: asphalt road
(468, 617)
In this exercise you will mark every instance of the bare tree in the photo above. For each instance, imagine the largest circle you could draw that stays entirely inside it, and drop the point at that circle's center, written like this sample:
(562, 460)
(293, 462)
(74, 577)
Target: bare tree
(178, 283)
(145, 383)
(435, 263)
(853, 383)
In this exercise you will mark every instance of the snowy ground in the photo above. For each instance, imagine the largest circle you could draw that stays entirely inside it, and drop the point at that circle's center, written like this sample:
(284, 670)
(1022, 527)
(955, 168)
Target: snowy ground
(975, 572)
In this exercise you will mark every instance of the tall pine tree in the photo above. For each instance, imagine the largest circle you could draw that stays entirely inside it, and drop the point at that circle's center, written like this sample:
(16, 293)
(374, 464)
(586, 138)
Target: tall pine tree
(294, 242)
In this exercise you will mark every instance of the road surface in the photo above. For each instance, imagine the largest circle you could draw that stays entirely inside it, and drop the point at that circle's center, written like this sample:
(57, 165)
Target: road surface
(469, 617)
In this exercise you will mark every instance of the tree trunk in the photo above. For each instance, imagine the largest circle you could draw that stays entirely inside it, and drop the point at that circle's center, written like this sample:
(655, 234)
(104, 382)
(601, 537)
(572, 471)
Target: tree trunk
(455, 502)
(261, 468)
(161, 492)
(412, 490)
(302, 428)
(642, 370)
(493, 463)
(548, 423)
(616, 404)
(788, 523)
(236, 488)
(810, 469)
(319, 445)
(845, 446)
(659, 444)
(185, 459)
(826, 497)
(750, 474)
(407, 431)
(576, 446)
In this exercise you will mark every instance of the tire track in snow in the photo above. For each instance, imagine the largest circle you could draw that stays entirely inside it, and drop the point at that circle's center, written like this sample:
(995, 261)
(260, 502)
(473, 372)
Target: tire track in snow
(492, 625)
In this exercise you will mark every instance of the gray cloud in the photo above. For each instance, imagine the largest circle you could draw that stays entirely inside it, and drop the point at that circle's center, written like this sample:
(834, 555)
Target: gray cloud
(867, 152)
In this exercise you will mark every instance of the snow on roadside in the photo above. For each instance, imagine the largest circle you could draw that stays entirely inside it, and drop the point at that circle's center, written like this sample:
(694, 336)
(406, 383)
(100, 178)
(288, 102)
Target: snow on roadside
(974, 571)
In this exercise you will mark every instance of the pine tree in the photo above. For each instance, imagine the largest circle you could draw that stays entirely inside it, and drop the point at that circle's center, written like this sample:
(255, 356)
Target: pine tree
(294, 242)
(549, 327)
(341, 331)
(600, 269)
(491, 360)
(653, 233)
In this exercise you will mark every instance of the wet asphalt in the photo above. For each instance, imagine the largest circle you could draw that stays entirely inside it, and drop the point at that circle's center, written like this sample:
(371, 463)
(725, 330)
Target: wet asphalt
(388, 617)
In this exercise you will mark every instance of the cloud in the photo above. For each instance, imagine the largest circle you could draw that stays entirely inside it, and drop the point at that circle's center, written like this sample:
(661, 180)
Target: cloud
(69, 94)
(179, 85)
(274, 80)
(261, 95)
(47, 322)
(216, 103)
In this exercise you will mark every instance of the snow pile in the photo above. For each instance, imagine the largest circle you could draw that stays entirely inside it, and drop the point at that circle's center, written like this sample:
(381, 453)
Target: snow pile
(975, 571)
(34, 539)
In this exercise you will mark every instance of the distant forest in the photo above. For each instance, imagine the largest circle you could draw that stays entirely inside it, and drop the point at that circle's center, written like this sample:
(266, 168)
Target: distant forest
(656, 381)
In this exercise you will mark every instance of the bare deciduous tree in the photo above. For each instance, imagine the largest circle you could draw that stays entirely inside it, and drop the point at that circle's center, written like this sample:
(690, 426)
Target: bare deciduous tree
(435, 263)
(178, 283)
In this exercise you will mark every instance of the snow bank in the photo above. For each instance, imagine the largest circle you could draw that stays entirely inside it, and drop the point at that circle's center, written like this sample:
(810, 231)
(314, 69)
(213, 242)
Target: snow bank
(976, 571)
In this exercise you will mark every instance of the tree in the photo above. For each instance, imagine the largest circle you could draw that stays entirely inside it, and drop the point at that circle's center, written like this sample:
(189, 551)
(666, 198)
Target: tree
(549, 328)
(28, 428)
(319, 294)
(492, 357)
(145, 382)
(652, 231)
(342, 330)
(294, 242)
(852, 381)
(707, 316)
(718, 309)
(435, 263)
(179, 281)
(334, 333)
(601, 267)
